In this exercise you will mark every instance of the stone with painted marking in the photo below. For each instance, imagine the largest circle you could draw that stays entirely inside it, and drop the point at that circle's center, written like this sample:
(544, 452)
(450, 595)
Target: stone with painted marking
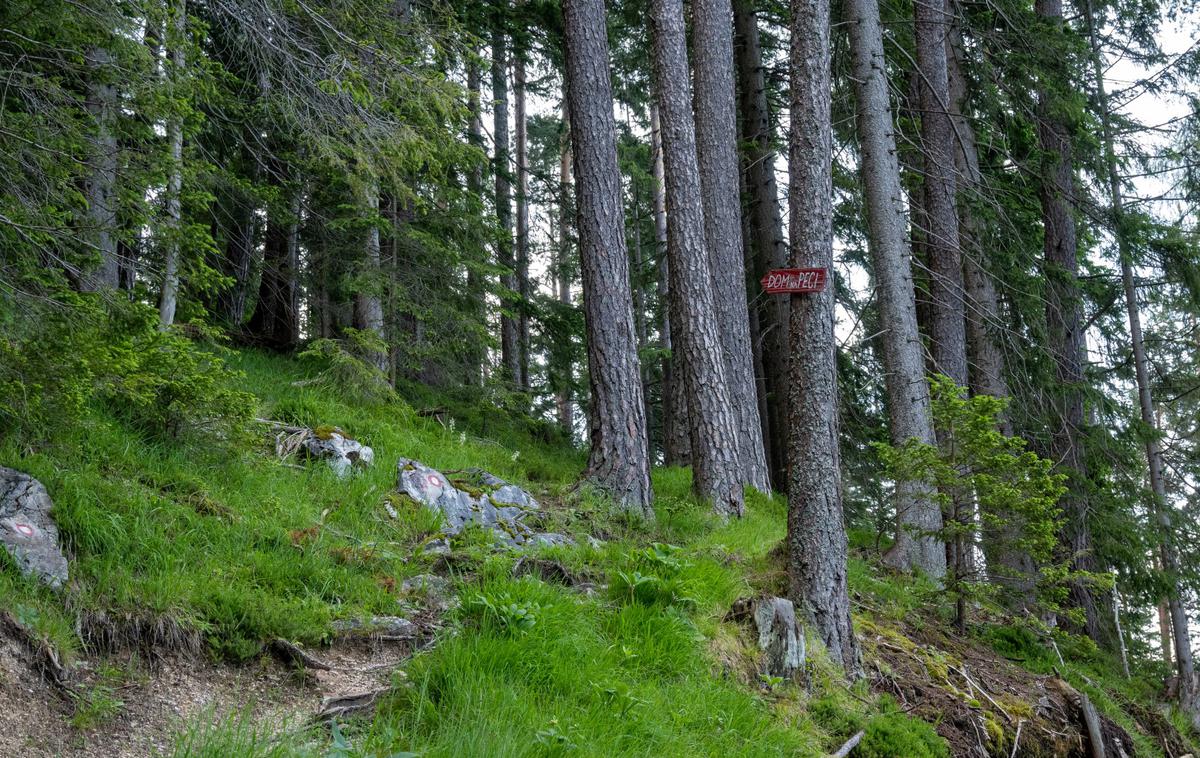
(28, 531)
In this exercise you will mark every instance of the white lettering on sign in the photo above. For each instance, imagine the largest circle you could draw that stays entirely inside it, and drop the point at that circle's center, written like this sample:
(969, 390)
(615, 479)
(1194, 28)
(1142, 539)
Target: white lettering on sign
(790, 280)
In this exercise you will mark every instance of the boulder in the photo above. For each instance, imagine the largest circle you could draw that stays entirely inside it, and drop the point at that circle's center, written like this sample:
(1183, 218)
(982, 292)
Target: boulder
(27, 531)
(496, 504)
(342, 452)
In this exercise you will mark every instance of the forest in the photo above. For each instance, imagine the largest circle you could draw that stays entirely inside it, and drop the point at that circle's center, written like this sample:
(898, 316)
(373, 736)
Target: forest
(694, 377)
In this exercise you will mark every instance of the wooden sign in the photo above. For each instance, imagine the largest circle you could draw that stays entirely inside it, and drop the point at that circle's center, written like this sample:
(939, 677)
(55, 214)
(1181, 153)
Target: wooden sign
(783, 281)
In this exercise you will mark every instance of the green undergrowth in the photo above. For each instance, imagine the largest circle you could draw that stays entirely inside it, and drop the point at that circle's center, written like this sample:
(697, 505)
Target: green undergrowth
(228, 542)
(236, 547)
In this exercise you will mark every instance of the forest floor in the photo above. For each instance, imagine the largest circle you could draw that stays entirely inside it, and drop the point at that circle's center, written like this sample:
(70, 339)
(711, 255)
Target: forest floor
(189, 560)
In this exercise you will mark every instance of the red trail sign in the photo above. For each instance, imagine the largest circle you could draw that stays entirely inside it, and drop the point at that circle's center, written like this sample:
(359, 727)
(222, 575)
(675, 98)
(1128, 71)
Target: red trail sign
(783, 281)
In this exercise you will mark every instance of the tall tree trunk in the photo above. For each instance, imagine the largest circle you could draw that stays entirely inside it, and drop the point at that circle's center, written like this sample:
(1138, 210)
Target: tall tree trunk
(907, 390)
(475, 280)
(175, 39)
(617, 462)
(368, 303)
(768, 250)
(947, 323)
(522, 147)
(676, 442)
(716, 463)
(100, 189)
(276, 318)
(947, 330)
(1009, 565)
(1189, 697)
(509, 332)
(238, 261)
(566, 412)
(1065, 328)
(817, 545)
(716, 149)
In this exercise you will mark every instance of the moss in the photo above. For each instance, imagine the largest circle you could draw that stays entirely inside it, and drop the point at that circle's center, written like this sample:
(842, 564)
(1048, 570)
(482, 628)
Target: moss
(326, 432)
(892, 733)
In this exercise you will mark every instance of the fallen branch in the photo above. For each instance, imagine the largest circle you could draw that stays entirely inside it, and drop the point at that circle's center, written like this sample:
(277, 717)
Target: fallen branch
(982, 691)
(851, 743)
(1092, 719)
(1017, 739)
(291, 653)
(358, 704)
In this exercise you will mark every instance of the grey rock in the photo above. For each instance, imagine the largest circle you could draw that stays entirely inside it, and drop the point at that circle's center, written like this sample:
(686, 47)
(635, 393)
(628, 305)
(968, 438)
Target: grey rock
(440, 546)
(27, 530)
(595, 542)
(779, 636)
(425, 584)
(548, 539)
(342, 453)
(382, 627)
(501, 508)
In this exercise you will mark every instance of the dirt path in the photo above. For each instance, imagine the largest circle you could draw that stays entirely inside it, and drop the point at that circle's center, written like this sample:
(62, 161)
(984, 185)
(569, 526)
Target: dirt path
(157, 702)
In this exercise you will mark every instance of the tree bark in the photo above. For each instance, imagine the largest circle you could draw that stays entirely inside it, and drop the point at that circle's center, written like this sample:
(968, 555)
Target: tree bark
(817, 543)
(368, 304)
(100, 189)
(768, 250)
(676, 444)
(716, 463)
(566, 412)
(475, 280)
(1008, 565)
(918, 514)
(617, 462)
(276, 319)
(1189, 698)
(509, 330)
(522, 274)
(1065, 332)
(716, 150)
(175, 39)
(947, 322)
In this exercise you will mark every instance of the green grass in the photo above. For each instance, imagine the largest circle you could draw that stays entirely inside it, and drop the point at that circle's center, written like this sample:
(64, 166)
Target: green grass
(233, 546)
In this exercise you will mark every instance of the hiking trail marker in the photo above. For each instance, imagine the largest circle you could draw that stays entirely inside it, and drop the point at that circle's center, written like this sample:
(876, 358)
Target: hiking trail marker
(786, 281)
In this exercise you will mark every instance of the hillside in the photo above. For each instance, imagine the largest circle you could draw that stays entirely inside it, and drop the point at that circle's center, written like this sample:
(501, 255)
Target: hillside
(218, 595)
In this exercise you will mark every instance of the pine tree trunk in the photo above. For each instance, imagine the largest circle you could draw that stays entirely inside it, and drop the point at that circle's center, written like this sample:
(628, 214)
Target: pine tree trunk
(617, 462)
(907, 390)
(1189, 698)
(475, 280)
(100, 189)
(768, 250)
(817, 544)
(509, 330)
(566, 413)
(238, 261)
(676, 444)
(947, 323)
(368, 305)
(1009, 566)
(1065, 335)
(522, 147)
(716, 463)
(276, 318)
(716, 150)
(175, 39)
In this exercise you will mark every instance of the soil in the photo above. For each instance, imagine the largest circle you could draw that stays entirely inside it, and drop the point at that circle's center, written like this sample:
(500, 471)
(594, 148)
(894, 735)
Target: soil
(158, 699)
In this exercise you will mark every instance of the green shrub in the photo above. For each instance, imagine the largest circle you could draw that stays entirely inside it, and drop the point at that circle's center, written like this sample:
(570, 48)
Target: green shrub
(345, 366)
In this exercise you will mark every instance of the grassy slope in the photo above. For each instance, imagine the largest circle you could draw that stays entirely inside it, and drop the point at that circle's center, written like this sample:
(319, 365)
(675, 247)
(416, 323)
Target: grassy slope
(228, 542)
